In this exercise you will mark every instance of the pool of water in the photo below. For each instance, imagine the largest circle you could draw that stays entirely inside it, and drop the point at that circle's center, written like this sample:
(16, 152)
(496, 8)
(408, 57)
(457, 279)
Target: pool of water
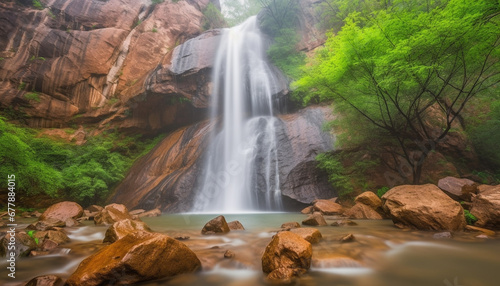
(381, 254)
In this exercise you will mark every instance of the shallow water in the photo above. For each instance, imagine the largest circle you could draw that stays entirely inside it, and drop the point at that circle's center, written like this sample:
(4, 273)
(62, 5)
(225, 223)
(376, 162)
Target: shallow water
(381, 255)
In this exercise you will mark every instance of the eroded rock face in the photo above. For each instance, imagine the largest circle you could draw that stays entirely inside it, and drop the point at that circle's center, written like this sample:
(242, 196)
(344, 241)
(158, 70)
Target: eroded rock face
(287, 250)
(137, 257)
(486, 208)
(369, 199)
(166, 178)
(310, 234)
(93, 58)
(423, 207)
(62, 211)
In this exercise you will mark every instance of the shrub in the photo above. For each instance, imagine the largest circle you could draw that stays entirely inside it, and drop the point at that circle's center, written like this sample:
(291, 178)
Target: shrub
(382, 191)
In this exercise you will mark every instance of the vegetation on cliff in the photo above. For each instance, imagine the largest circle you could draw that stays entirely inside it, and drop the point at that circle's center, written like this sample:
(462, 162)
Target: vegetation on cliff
(84, 173)
(402, 74)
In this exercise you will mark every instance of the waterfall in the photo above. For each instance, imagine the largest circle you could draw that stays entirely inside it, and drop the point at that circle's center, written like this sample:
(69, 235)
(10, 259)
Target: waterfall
(241, 165)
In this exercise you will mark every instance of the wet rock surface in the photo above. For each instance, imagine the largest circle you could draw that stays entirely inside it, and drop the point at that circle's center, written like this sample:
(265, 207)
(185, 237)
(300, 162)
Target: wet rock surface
(137, 257)
(423, 207)
(217, 225)
(486, 208)
(111, 214)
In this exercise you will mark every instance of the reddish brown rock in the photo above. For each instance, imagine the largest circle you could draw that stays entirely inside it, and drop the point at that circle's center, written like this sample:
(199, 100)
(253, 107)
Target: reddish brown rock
(423, 207)
(228, 254)
(94, 208)
(370, 199)
(62, 211)
(348, 238)
(48, 245)
(216, 225)
(344, 223)
(307, 210)
(292, 224)
(111, 214)
(137, 257)
(486, 208)
(315, 219)
(327, 207)
(24, 244)
(235, 225)
(458, 189)
(287, 250)
(58, 236)
(310, 234)
(151, 213)
(362, 211)
(46, 280)
(46, 224)
(122, 228)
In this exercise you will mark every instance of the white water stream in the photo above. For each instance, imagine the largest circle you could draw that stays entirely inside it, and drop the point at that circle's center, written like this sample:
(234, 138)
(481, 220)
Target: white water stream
(241, 165)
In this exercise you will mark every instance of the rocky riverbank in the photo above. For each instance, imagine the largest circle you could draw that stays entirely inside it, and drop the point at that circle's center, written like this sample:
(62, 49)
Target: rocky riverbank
(129, 248)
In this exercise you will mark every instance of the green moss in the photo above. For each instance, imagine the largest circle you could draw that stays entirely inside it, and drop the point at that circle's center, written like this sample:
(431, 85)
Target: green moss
(382, 191)
(32, 96)
(38, 5)
(469, 218)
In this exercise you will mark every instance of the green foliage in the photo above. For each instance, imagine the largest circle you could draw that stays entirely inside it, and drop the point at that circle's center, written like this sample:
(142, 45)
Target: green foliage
(469, 218)
(397, 65)
(158, 1)
(154, 30)
(278, 15)
(32, 96)
(31, 233)
(337, 175)
(212, 18)
(37, 5)
(84, 173)
(22, 85)
(486, 138)
(33, 176)
(382, 191)
(284, 55)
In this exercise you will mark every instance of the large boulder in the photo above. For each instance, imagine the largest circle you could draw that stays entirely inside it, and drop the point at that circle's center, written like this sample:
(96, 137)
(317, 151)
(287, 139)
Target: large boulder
(137, 257)
(121, 228)
(327, 207)
(216, 225)
(362, 211)
(458, 189)
(46, 224)
(423, 207)
(286, 250)
(111, 214)
(58, 236)
(62, 211)
(486, 208)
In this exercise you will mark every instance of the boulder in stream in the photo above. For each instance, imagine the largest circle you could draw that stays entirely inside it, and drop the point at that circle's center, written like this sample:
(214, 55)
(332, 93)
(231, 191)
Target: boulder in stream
(62, 211)
(423, 207)
(121, 228)
(486, 208)
(287, 255)
(111, 214)
(235, 225)
(327, 207)
(315, 219)
(137, 257)
(215, 226)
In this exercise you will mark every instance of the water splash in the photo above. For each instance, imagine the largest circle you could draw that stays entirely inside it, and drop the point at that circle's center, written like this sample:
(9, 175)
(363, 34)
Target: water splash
(241, 171)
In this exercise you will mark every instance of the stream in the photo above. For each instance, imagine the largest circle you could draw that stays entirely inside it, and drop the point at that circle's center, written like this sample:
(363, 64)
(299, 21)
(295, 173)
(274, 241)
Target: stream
(381, 254)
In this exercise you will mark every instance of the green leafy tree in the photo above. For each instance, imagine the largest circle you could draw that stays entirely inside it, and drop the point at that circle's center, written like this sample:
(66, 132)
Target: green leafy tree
(398, 67)
(212, 18)
(237, 11)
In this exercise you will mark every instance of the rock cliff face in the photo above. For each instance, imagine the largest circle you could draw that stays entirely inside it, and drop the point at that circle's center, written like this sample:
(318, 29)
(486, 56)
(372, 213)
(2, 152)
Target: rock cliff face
(92, 59)
(166, 178)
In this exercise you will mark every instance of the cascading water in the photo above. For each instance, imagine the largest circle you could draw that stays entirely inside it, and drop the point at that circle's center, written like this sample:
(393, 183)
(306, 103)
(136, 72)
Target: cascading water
(241, 171)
